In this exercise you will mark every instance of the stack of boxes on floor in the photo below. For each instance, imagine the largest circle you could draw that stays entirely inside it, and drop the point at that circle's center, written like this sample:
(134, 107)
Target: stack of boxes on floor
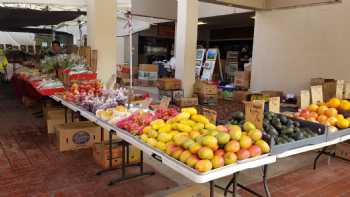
(170, 88)
(148, 75)
(73, 134)
(123, 74)
(207, 93)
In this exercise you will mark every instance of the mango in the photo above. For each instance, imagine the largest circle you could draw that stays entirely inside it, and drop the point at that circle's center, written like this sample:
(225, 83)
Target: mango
(190, 123)
(156, 124)
(184, 128)
(182, 116)
(165, 129)
(210, 126)
(190, 110)
(200, 118)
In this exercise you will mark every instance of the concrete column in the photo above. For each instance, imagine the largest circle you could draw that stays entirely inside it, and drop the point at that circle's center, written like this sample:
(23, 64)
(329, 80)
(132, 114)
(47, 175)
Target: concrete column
(102, 23)
(186, 43)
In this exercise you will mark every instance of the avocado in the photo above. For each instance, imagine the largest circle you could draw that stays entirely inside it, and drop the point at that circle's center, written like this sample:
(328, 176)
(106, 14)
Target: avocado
(296, 124)
(298, 136)
(238, 115)
(290, 123)
(273, 131)
(284, 120)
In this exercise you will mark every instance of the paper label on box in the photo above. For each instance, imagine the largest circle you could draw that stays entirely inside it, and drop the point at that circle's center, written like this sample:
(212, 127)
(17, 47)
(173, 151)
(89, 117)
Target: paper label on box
(164, 103)
(304, 99)
(81, 137)
(339, 93)
(275, 104)
(210, 114)
(317, 94)
(254, 112)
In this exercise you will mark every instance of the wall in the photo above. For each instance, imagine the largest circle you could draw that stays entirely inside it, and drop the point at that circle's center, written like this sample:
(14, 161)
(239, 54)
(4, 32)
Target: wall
(293, 45)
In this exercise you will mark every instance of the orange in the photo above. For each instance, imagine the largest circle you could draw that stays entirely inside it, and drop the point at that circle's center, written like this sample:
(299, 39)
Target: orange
(312, 119)
(313, 108)
(334, 103)
(322, 118)
(344, 105)
(331, 112)
(340, 117)
(343, 124)
(332, 120)
(322, 109)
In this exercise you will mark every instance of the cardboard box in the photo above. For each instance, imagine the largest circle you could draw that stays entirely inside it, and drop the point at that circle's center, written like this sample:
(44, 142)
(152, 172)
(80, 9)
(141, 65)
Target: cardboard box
(242, 79)
(187, 102)
(197, 190)
(77, 135)
(319, 81)
(173, 94)
(203, 87)
(239, 96)
(205, 99)
(169, 84)
(343, 150)
(272, 93)
(148, 72)
(54, 118)
(101, 154)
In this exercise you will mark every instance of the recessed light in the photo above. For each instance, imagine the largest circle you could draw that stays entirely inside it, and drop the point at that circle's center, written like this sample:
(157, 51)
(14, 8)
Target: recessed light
(201, 23)
(253, 17)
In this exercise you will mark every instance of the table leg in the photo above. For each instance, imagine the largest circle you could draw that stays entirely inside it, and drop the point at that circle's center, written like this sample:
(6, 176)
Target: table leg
(211, 183)
(65, 115)
(265, 177)
(318, 156)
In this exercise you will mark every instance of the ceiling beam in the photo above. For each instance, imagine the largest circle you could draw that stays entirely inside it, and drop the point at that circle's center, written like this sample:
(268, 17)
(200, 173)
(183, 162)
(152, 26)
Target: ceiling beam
(247, 4)
(280, 4)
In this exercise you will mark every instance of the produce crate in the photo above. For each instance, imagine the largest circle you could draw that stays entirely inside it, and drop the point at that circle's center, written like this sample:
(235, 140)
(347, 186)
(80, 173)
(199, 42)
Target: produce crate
(208, 99)
(173, 94)
(321, 130)
(187, 102)
(202, 87)
(342, 150)
(169, 84)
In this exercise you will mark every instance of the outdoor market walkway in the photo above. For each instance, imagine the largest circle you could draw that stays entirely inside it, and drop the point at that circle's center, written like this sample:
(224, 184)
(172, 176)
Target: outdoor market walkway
(31, 165)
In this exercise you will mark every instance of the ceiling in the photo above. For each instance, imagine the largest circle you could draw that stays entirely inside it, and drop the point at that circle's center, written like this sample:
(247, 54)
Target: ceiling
(231, 20)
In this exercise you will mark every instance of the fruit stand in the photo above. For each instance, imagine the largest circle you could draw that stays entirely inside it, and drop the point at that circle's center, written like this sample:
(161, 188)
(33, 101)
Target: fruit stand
(165, 159)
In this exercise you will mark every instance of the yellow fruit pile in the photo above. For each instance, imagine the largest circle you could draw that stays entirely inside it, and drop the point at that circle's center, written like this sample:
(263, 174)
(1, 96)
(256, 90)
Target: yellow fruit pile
(192, 139)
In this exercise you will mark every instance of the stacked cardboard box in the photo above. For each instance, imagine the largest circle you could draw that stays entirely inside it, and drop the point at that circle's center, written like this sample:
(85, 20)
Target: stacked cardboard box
(242, 80)
(170, 88)
(77, 135)
(55, 116)
(187, 101)
(207, 93)
(101, 154)
(148, 72)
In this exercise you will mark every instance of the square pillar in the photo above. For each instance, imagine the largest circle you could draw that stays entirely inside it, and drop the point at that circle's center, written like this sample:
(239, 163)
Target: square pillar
(186, 43)
(102, 23)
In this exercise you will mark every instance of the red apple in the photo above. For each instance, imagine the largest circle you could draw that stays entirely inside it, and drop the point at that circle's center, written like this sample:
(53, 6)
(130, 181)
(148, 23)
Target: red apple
(219, 152)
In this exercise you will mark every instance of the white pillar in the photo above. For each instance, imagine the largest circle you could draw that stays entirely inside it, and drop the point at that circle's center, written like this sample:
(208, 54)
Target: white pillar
(186, 43)
(102, 23)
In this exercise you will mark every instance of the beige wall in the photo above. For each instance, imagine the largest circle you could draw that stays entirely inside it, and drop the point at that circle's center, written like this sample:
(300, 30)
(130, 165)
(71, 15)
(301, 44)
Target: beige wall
(293, 45)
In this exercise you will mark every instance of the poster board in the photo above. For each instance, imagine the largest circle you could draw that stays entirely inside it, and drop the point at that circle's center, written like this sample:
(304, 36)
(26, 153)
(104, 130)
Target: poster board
(275, 104)
(212, 60)
(199, 61)
(231, 64)
(304, 99)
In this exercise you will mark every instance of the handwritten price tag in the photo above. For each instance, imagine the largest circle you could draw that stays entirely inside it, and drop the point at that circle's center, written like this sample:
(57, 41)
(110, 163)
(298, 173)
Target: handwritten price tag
(304, 99)
(275, 104)
(254, 112)
(316, 94)
(339, 93)
(164, 103)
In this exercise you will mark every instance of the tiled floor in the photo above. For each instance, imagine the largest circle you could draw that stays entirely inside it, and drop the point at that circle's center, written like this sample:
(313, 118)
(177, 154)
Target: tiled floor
(31, 165)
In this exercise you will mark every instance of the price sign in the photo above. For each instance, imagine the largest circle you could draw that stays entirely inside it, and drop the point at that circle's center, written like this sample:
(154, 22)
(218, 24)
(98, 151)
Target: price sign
(146, 103)
(339, 93)
(254, 112)
(210, 114)
(164, 103)
(317, 94)
(275, 104)
(304, 99)
(347, 90)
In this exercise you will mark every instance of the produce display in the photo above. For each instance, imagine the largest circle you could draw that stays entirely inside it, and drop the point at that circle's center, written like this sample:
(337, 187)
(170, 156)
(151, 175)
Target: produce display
(285, 130)
(49, 64)
(329, 114)
(48, 84)
(113, 115)
(136, 122)
(190, 138)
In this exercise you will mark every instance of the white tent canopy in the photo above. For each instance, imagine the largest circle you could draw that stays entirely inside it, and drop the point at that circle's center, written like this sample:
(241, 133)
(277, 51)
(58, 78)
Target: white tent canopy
(17, 38)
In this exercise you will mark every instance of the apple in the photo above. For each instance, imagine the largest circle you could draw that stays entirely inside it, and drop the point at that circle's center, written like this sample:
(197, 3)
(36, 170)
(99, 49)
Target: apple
(171, 147)
(243, 154)
(232, 146)
(230, 158)
(205, 153)
(255, 151)
(218, 161)
(255, 134)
